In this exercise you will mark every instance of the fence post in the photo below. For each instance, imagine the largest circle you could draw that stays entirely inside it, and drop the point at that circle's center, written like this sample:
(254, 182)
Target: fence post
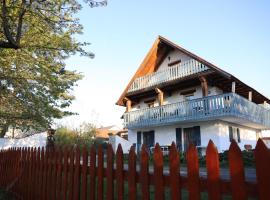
(132, 186)
(174, 173)
(144, 173)
(212, 164)
(158, 173)
(262, 161)
(238, 185)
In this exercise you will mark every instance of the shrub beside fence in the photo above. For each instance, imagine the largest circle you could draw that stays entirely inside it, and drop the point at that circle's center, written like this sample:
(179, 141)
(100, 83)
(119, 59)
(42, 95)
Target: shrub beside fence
(32, 173)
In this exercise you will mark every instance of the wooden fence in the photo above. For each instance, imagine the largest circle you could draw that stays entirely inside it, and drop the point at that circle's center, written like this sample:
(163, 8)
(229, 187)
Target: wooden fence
(70, 174)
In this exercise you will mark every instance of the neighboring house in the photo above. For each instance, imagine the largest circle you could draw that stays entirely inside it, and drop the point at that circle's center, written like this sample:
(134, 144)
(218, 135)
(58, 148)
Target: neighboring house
(177, 96)
(105, 132)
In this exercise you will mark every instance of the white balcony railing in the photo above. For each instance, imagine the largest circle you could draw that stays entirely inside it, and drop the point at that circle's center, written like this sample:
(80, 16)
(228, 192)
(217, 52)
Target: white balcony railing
(178, 71)
(212, 107)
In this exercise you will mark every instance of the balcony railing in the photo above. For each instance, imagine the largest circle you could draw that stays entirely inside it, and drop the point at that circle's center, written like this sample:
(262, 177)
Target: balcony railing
(178, 71)
(207, 108)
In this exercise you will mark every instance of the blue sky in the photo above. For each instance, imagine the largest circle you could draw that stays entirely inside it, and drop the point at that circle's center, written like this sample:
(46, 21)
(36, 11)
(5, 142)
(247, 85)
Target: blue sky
(234, 35)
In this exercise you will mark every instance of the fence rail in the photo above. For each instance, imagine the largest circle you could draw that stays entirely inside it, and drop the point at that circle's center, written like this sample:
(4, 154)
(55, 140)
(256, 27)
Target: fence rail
(73, 174)
(184, 69)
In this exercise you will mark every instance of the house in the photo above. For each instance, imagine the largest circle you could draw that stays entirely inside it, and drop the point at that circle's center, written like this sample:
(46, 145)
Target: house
(106, 131)
(178, 96)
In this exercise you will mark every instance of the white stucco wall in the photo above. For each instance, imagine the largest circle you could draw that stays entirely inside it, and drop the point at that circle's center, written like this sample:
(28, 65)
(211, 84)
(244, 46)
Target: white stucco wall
(37, 140)
(217, 131)
(115, 140)
(175, 55)
(177, 97)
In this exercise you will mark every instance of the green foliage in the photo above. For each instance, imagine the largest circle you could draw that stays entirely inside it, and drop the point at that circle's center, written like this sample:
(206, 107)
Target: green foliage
(85, 136)
(36, 37)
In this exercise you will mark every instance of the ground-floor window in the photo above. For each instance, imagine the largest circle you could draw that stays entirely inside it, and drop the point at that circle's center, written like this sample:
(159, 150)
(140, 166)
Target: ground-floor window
(147, 138)
(234, 134)
(187, 136)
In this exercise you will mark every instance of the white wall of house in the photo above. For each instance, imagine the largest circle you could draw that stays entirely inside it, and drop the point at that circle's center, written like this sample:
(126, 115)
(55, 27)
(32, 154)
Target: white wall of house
(115, 140)
(175, 55)
(217, 131)
(176, 97)
(37, 140)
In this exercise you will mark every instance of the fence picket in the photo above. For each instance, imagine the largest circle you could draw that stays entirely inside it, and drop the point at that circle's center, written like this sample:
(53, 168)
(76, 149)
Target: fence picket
(32, 173)
(64, 189)
(262, 161)
(132, 186)
(158, 173)
(84, 173)
(59, 174)
(100, 173)
(54, 174)
(212, 164)
(119, 173)
(174, 163)
(109, 173)
(193, 173)
(71, 174)
(92, 169)
(76, 180)
(238, 185)
(144, 173)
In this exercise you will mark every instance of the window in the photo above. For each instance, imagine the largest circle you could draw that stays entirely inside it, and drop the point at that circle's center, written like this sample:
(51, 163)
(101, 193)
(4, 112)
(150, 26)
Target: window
(151, 104)
(189, 97)
(174, 63)
(234, 134)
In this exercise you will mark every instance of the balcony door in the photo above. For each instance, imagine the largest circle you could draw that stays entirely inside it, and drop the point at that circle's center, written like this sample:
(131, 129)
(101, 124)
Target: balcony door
(192, 135)
(149, 138)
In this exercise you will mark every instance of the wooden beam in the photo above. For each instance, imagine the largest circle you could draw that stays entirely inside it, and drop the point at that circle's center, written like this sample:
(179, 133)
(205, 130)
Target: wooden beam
(128, 104)
(204, 86)
(233, 86)
(250, 95)
(160, 96)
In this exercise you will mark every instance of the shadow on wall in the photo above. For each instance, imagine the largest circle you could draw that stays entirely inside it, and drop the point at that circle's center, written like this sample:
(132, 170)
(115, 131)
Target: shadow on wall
(37, 140)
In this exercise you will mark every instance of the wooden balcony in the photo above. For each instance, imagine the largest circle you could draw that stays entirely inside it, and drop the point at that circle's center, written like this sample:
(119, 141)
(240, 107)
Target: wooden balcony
(229, 107)
(178, 71)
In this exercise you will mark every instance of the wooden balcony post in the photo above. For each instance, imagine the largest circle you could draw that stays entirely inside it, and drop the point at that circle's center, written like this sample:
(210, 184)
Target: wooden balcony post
(204, 85)
(233, 87)
(250, 95)
(128, 104)
(160, 96)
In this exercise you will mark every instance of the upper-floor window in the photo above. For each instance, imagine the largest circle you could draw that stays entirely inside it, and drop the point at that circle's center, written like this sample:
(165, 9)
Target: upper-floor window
(188, 95)
(234, 134)
(170, 64)
(150, 103)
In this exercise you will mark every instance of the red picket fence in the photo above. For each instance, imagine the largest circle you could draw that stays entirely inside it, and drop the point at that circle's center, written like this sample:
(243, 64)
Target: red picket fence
(70, 174)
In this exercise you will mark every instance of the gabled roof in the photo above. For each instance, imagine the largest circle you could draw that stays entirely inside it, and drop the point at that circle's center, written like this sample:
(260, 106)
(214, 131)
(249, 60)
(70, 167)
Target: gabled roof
(158, 52)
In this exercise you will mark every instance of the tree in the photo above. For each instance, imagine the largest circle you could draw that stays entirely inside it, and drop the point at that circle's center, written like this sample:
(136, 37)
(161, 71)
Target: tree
(19, 19)
(36, 37)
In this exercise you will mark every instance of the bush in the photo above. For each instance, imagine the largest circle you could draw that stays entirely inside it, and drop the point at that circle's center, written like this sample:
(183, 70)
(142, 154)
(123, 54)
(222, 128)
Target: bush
(65, 137)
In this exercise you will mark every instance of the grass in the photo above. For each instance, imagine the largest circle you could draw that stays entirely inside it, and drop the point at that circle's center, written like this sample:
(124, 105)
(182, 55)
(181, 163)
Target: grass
(4, 195)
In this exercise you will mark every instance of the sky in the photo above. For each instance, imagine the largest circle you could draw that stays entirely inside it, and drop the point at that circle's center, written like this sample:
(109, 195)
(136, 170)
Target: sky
(234, 35)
